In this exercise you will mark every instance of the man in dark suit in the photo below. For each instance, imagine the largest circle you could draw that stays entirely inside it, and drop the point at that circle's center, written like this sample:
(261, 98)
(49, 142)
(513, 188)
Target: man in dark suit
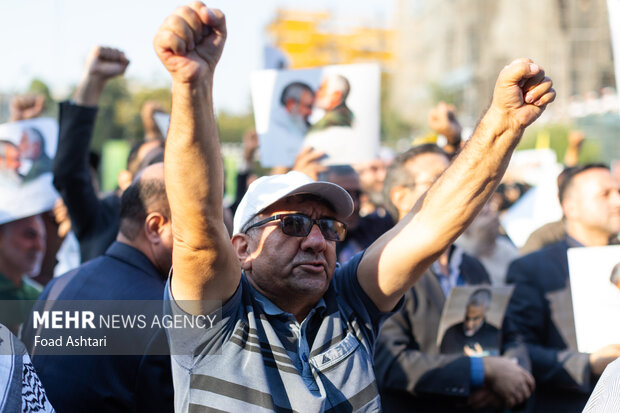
(134, 267)
(94, 220)
(473, 334)
(411, 373)
(540, 311)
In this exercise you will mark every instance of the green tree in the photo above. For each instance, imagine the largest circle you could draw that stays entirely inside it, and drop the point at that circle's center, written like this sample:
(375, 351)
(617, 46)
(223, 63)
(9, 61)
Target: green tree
(231, 126)
(128, 112)
(558, 141)
(393, 127)
(108, 124)
(37, 86)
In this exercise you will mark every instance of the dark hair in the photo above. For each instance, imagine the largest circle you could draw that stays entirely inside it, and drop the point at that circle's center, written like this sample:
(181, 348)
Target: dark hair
(397, 175)
(482, 296)
(567, 177)
(336, 170)
(293, 91)
(139, 199)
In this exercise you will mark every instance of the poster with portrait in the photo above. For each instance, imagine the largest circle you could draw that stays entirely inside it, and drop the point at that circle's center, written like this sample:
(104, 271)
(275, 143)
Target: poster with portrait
(471, 320)
(26, 152)
(334, 109)
(595, 291)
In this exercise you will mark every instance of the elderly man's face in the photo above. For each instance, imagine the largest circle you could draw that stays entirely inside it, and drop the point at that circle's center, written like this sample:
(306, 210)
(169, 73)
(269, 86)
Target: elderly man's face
(287, 266)
(22, 244)
(327, 96)
(11, 158)
(474, 318)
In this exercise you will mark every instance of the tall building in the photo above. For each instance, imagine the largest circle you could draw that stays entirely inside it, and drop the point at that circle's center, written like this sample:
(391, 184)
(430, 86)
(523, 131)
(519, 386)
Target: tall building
(311, 39)
(456, 48)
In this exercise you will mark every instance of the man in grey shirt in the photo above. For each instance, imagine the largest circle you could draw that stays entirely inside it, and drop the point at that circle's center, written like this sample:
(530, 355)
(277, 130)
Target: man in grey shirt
(296, 333)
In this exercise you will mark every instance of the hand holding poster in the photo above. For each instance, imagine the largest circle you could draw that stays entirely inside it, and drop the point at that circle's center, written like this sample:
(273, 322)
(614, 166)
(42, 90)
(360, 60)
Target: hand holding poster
(334, 109)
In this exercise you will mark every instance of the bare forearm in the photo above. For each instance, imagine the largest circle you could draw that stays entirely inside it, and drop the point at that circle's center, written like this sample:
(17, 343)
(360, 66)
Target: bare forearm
(449, 206)
(459, 194)
(194, 170)
(89, 91)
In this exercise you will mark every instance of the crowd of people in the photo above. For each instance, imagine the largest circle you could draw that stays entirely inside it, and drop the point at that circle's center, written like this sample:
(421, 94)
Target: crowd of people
(328, 282)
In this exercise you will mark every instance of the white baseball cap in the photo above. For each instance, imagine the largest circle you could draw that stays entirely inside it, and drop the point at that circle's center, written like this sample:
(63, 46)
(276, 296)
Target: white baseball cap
(267, 190)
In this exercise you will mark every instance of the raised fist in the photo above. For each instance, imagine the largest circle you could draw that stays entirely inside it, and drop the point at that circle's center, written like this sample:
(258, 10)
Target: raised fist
(26, 107)
(521, 94)
(442, 120)
(105, 62)
(190, 42)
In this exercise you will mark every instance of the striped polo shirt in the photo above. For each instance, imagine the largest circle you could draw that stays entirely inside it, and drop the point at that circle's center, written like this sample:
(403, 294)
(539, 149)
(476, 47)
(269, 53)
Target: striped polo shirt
(260, 359)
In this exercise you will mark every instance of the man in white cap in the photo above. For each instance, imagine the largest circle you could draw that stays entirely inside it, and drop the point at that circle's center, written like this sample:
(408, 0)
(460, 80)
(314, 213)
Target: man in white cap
(295, 333)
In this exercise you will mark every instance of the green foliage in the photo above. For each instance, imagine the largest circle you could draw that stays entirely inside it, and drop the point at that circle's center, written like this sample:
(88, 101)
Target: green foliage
(115, 96)
(37, 86)
(392, 127)
(128, 111)
(119, 111)
(440, 93)
(558, 141)
(231, 127)
(119, 114)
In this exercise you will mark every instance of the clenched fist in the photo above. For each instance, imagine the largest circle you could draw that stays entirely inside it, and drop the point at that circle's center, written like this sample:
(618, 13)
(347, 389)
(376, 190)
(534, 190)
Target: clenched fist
(102, 64)
(521, 94)
(26, 107)
(106, 62)
(190, 42)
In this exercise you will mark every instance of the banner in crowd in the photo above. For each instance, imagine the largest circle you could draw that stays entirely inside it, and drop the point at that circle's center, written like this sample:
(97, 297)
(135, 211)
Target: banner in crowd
(26, 152)
(595, 290)
(334, 109)
(471, 320)
(613, 7)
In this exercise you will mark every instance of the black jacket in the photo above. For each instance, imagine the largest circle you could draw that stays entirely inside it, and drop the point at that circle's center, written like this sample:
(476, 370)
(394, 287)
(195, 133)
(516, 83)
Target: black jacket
(94, 221)
(540, 314)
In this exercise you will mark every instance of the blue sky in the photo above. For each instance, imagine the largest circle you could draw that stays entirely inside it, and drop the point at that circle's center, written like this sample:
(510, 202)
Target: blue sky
(50, 39)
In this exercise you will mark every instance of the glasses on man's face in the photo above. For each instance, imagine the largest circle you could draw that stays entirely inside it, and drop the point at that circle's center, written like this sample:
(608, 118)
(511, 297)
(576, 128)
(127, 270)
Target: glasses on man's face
(300, 225)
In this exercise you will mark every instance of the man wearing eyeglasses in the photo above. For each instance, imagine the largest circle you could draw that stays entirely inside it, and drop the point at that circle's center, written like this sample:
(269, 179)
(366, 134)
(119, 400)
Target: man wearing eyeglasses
(295, 333)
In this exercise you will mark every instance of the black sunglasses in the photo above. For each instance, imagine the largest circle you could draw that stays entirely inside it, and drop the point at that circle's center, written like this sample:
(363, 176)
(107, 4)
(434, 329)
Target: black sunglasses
(299, 225)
